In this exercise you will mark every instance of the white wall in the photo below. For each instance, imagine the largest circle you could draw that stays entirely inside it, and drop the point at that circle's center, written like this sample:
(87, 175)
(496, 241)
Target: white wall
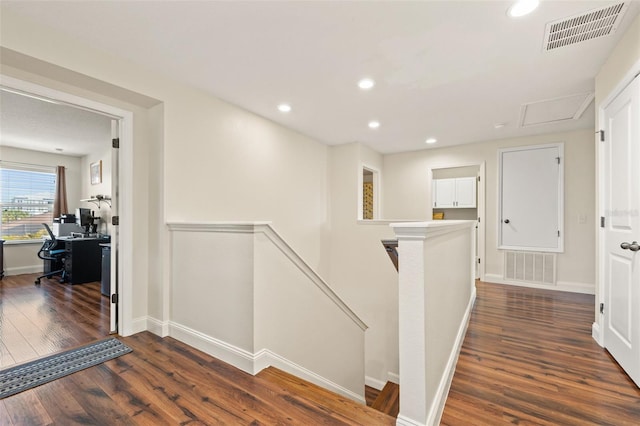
(21, 258)
(361, 271)
(90, 190)
(217, 161)
(408, 196)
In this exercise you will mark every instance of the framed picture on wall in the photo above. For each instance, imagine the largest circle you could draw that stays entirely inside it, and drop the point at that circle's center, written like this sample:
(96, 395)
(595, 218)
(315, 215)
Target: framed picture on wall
(96, 172)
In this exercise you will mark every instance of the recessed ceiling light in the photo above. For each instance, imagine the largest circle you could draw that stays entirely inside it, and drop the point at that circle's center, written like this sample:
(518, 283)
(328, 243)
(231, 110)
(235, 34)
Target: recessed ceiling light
(366, 83)
(431, 140)
(499, 125)
(374, 124)
(522, 7)
(284, 107)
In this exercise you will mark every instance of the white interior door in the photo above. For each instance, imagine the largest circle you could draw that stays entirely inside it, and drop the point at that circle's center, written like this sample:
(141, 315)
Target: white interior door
(621, 155)
(115, 134)
(531, 191)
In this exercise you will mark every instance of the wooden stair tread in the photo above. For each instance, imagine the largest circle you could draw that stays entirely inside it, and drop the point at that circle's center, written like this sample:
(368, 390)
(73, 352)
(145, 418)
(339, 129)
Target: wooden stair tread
(340, 407)
(388, 401)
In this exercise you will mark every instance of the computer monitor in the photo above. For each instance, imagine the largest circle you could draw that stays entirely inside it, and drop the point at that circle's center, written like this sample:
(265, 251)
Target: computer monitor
(83, 218)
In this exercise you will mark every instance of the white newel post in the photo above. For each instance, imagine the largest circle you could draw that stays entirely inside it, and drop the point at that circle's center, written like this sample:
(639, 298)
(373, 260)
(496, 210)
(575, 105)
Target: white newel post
(436, 293)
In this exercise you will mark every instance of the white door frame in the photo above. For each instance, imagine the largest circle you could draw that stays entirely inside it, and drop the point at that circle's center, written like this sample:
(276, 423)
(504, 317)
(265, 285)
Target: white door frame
(597, 329)
(481, 209)
(125, 173)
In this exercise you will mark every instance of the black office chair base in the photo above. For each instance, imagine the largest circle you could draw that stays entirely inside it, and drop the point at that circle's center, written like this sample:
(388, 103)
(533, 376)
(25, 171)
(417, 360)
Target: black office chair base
(51, 274)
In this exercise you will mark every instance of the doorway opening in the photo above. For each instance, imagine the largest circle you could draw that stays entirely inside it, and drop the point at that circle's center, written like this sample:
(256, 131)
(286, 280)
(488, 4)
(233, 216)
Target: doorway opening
(369, 194)
(121, 197)
(458, 193)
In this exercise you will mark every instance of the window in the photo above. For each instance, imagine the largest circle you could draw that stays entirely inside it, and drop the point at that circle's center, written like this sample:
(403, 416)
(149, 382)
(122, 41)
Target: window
(26, 197)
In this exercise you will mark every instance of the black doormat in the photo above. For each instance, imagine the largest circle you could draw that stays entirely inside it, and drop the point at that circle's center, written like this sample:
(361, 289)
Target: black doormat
(35, 373)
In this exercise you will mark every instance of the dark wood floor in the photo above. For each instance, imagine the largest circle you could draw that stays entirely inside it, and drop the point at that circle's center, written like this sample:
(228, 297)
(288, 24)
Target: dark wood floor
(528, 358)
(162, 382)
(40, 320)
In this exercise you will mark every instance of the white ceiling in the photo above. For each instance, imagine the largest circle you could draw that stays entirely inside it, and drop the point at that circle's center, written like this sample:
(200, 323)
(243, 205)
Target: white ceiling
(444, 69)
(37, 125)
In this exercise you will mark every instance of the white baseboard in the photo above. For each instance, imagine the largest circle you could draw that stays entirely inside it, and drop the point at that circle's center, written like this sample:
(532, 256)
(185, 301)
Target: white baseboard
(238, 357)
(596, 334)
(379, 384)
(157, 327)
(435, 411)
(265, 358)
(569, 286)
(139, 324)
(393, 377)
(405, 421)
(374, 383)
(33, 269)
(253, 363)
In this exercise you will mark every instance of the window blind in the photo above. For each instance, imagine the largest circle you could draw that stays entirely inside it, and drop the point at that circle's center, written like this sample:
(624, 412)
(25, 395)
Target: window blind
(27, 192)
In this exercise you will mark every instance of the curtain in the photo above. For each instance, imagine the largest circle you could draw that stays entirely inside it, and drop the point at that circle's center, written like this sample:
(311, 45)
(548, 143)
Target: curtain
(60, 206)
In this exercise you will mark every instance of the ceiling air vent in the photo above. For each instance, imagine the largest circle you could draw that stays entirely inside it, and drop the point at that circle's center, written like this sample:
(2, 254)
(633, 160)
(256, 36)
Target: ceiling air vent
(587, 26)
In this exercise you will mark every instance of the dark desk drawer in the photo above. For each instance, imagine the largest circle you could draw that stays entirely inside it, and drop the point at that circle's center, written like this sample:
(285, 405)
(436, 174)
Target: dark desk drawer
(83, 260)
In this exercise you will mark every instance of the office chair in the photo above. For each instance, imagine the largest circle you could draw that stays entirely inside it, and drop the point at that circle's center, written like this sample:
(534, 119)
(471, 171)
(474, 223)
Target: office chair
(49, 252)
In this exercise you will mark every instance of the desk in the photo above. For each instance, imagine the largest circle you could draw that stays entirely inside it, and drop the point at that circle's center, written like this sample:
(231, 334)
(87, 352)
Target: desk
(82, 259)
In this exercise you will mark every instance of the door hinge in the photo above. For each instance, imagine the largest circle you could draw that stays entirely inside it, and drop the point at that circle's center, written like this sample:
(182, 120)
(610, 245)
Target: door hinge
(558, 160)
(478, 220)
(478, 178)
(115, 220)
(115, 143)
(601, 221)
(601, 135)
(602, 308)
(114, 298)
(558, 233)
(478, 260)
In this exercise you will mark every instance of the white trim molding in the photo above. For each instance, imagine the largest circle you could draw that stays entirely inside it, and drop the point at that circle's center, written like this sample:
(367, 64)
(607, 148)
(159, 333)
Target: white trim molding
(238, 357)
(437, 408)
(253, 363)
(374, 383)
(19, 270)
(265, 358)
(568, 286)
(157, 327)
(596, 334)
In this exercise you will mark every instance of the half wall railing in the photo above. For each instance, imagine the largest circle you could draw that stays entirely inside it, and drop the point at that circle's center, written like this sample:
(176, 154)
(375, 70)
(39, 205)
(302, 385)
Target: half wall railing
(242, 294)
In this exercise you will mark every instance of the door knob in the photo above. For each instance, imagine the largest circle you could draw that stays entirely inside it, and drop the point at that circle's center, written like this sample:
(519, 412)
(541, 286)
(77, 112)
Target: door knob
(634, 246)
(506, 221)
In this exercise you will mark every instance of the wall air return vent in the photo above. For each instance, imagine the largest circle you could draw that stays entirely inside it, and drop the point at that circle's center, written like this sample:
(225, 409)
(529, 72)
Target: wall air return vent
(587, 26)
(530, 267)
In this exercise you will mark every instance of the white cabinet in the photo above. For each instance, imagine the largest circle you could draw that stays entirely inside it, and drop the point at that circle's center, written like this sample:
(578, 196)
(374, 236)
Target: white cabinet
(454, 193)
